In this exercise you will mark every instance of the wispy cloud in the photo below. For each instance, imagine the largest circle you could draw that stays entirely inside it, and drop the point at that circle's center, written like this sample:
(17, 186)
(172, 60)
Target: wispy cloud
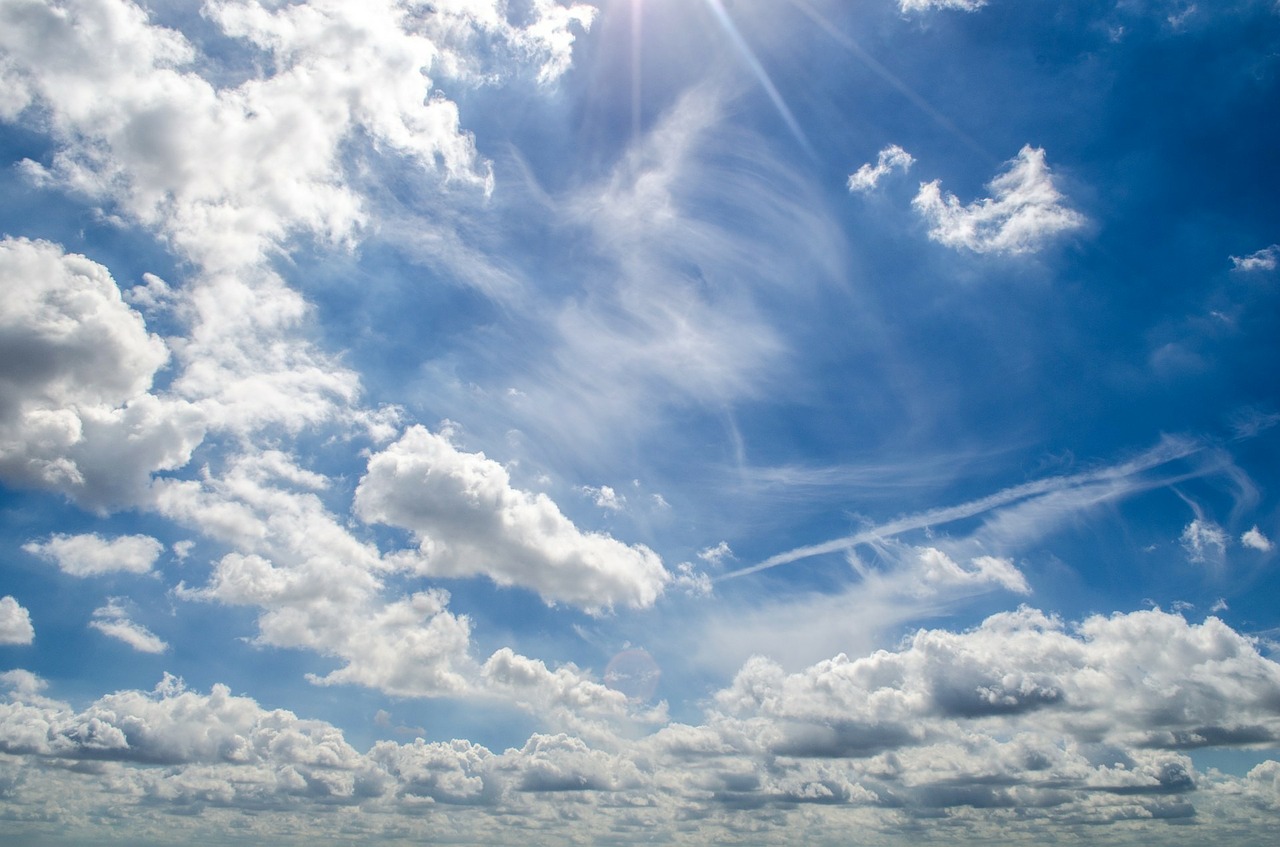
(1126, 477)
(113, 620)
(1265, 259)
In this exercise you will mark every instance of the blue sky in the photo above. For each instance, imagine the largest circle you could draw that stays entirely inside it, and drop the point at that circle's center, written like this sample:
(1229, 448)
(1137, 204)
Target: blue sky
(688, 421)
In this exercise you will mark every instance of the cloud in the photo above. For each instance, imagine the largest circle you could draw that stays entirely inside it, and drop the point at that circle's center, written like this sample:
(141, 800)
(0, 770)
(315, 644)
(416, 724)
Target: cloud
(112, 620)
(1024, 211)
(76, 415)
(1017, 724)
(605, 497)
(891, 158)
(927, 5)
(93, 555)
(1255, 540)
(1263, 260)
(1204, 541)
(15, 623)
(470, 521)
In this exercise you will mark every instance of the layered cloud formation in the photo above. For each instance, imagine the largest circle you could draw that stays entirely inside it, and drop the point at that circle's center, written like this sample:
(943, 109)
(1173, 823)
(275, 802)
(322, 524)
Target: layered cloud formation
(258, 249)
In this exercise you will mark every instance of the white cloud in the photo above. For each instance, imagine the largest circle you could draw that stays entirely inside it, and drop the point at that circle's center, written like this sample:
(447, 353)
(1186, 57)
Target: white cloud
(76, 415)
(470, 521)
(113, 621)
(1016, 725)
(1265, 259)
(606, 497)
(1024, 211)
(717, 555)
(891, 158)
(1204, 541)
(15, 623)
(1254, 539)
(93, 555)
(926, 5)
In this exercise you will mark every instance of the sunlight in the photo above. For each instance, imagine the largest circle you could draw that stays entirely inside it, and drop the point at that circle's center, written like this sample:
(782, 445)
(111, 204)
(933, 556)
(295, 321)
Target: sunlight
(722, 15)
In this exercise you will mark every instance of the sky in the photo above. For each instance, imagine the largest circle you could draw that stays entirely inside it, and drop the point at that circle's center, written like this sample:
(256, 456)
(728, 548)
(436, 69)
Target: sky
(691, 422)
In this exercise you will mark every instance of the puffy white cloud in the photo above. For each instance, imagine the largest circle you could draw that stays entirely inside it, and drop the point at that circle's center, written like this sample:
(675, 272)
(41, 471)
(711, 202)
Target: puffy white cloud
(15, 623)
(1204, 541)
(113, 621)
(1018, 724)
(1255, 540)
(1024, 211)
(891, 158)
(470, 521)
(1263, 260)
(1140, 680)
(93, 555)
(76, 367)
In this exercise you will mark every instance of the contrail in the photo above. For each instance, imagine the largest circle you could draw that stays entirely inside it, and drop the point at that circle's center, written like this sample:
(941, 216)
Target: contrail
(1168, 450)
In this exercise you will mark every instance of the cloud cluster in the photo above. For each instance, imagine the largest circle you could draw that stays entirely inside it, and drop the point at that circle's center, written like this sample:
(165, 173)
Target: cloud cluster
(470, 521)
(1024, 211)
(76, 412)
(1019, 723)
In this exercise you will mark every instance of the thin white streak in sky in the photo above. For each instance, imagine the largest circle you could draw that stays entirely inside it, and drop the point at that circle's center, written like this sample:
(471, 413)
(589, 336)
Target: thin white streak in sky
(1168, 450)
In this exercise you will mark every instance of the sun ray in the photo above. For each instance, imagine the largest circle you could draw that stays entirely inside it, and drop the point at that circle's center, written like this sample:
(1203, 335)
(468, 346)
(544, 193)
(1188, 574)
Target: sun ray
(748, 55)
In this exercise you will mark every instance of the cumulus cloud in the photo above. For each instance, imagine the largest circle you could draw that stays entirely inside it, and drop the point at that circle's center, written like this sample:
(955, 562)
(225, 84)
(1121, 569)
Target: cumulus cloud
(15, 623)
(1263, 260)
(76, 412)
(93, 555)
(470, 521)
(891, 158)
(1255, 540)
(1204, 541)
(1024, 211)
(1021, 722)
(113, 621)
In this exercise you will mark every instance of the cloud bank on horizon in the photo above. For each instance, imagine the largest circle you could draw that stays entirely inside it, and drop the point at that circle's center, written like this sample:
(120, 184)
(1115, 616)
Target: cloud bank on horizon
(558, 422)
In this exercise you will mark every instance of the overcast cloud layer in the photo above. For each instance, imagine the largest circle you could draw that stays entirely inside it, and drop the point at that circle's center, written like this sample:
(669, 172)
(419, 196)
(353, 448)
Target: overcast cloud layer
(553, 422)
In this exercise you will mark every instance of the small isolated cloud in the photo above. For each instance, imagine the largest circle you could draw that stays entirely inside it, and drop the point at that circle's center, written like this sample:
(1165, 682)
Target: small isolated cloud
(93, 555)
(1204, 541)
(926, 5)
(1024, 211)
(716, 555)
(113, 620)
(1265, 259)
(890, 159)
(692, 581)
(1255, 540)
(605, 497)
(15, 623)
